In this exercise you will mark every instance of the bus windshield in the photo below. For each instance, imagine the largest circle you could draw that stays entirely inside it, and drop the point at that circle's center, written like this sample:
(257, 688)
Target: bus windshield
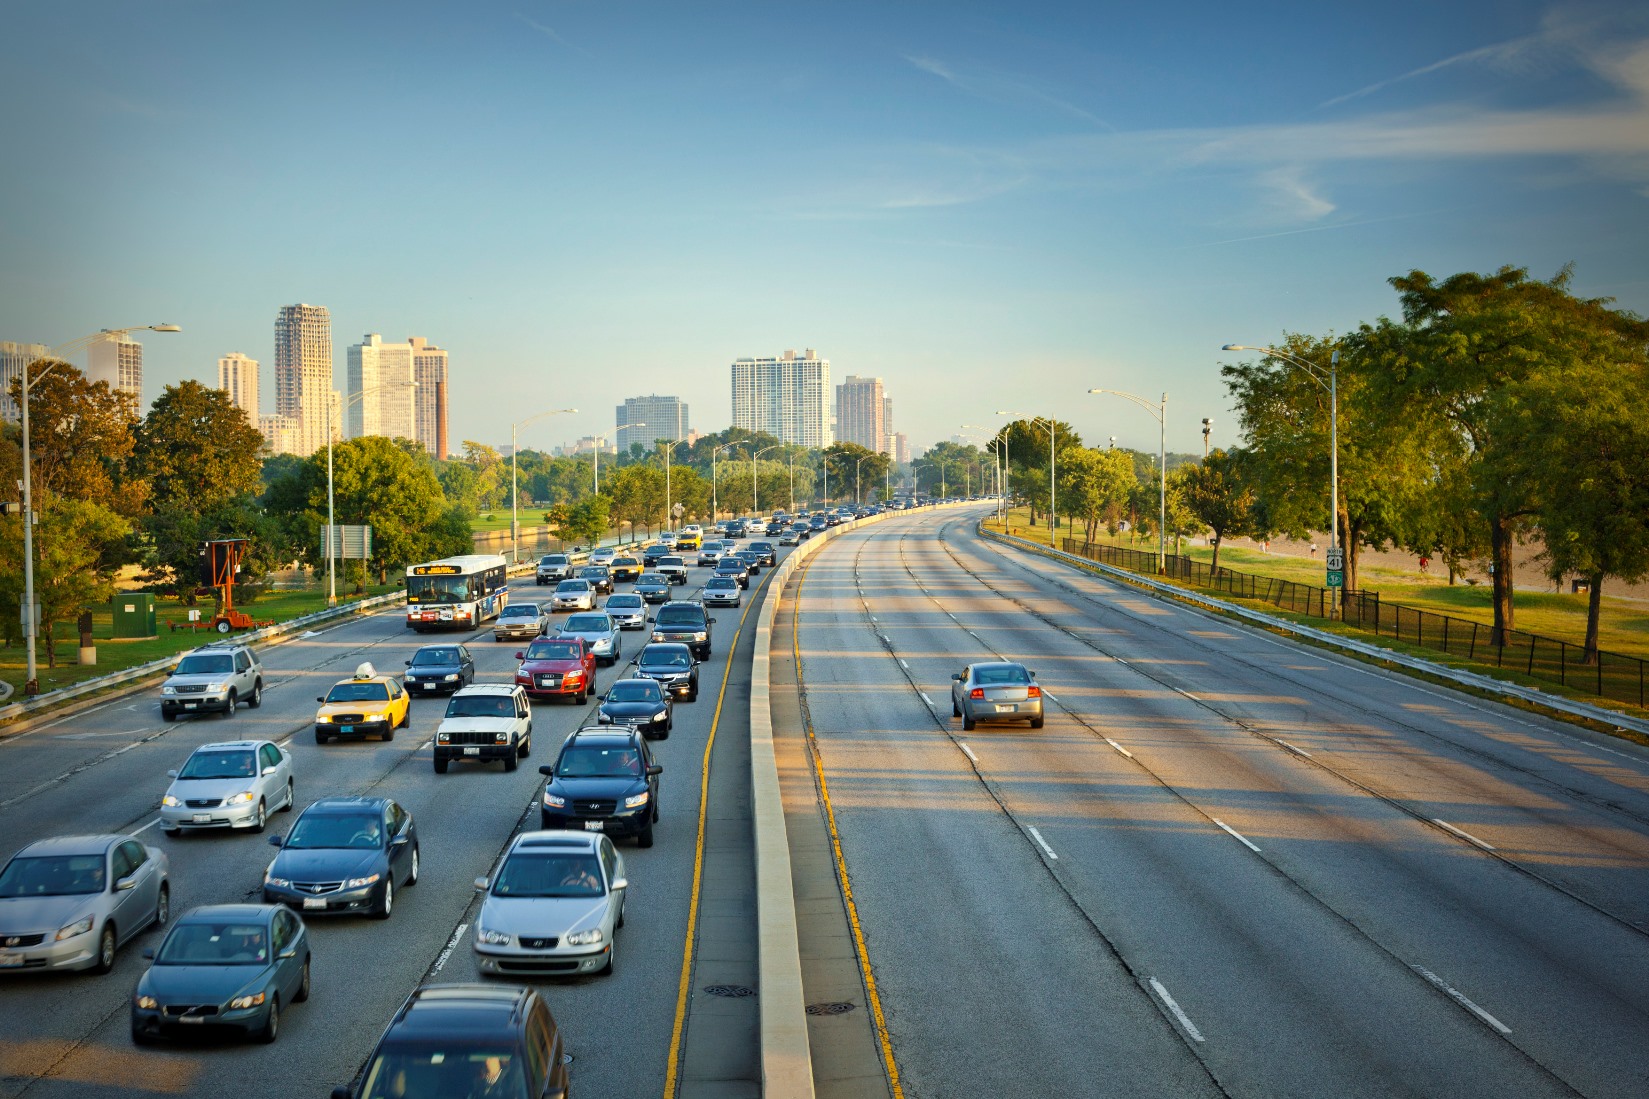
(438, 589)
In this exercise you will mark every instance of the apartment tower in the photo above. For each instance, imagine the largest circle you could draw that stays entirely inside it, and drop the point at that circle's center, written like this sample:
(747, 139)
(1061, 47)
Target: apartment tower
(653, 417)
(378, 380)
(303, 374)
(861, 413)
(118, 360)
(429, 400)
(785, 397)
(238, 377)
(13, 358)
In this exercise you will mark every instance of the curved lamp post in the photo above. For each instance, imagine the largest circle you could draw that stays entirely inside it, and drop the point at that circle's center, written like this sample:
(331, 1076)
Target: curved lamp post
(1160, 411)
(1053, 502)
(515, 528)
(715, 506)
(669, 450)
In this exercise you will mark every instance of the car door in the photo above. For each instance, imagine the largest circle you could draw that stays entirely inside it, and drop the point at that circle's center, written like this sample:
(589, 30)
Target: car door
(270, 783)
(243, 677)
(132, 909)
(466, 667)
(289, 953)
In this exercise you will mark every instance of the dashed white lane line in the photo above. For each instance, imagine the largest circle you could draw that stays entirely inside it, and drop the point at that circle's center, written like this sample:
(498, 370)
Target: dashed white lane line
(146, 827)
(1119, 747)
(967, 751)
(1460, 999)
(452, 944)
(1040, 842)
(1189, 695)
(903, 665)
(1467, 836)
(928, 700)
(1240, 838)
(1296, 751)
(1168, 1002)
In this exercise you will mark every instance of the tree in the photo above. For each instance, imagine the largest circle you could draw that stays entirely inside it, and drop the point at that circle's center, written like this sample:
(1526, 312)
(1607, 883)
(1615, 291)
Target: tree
(854, 469)
(637, 494)
(585, 521)
(77, 546)
(1218, 494)
(1027, 443)
(80, 438)
(492, 475)
(1094, 485)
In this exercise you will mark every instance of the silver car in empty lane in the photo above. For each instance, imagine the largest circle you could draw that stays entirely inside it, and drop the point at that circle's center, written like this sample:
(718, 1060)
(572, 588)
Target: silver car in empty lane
(996, 690)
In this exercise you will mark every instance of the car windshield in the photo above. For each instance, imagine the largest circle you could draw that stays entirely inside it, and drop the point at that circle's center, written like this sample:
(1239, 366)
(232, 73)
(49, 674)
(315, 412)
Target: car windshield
(481, 706)
(206, 664)
(721, 582)
(587, 623)
(519, 610)
(52, 876)
(591, 571)
(425, 657)
(681, 616)
(552, 650)
(634, 690)
(215, 944)
(668, 658)
(588, 761)
(336, 830)
(652, 582)
(670, 561)
(624, 602)
(554, 559)
(214, 764)
(537, 874)
(573, 587)
(358, 692)
(423, 1072)
(1001, 673)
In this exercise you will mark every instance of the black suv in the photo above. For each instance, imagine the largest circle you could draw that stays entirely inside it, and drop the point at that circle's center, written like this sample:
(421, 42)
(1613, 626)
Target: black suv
(453, 1039)
(605, 780)
(684, 621)
(731, 564)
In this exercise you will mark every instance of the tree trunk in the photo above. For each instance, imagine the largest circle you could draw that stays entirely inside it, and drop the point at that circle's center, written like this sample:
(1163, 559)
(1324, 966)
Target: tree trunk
(1594, 606)
(1351, 545)
(1219, 540)
(1500, 541)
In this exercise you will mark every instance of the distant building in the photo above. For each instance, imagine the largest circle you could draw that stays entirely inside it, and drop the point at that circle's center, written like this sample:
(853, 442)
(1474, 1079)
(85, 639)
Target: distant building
(378, 380)
(118, 360)
(861, 408)
(589, 444)
(280, 434)
(238, 377)
(303, 373)
(13, 358)
(654, 418)
(429, 400)
(785, 397)
(887, 446)
(901, 448)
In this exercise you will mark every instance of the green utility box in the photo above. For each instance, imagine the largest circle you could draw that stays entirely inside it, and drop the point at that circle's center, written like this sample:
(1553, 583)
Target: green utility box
(134, 615)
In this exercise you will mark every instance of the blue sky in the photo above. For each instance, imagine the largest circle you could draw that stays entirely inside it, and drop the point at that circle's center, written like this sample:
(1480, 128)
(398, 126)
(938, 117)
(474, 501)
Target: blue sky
(989, 206)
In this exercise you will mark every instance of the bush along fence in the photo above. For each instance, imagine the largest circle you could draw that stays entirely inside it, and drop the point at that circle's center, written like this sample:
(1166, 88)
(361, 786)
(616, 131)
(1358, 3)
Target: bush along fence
(1614, 675)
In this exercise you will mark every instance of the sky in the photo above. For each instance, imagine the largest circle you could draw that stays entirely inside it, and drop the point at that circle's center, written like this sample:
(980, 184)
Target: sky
(990, 206)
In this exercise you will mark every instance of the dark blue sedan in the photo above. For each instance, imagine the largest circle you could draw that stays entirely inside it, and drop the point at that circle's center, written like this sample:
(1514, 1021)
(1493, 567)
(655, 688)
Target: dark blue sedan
(344, 854)
(435, 669)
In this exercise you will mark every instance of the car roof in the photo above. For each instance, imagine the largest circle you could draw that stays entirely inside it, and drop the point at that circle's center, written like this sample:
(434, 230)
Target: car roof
(345, 803)
(440, 645)
(208, 913)
(229, 745)
(604, 734)
(671, 646)
(997, 664)
(486, 689)
(94, 844)
(557, 838)
(442, 1009)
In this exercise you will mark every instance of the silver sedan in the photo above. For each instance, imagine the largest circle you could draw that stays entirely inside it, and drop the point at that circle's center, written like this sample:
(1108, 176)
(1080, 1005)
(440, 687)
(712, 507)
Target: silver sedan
(520, 620)
(234, 784)
(995, 691)
(599, 632)
(71, 901)
(573, 595)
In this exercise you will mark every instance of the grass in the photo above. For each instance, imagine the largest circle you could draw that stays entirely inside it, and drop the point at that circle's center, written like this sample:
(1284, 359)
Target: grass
(113, 656)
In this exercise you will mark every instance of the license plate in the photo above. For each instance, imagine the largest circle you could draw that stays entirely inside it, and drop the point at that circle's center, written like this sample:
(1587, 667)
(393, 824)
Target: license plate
(191, 1018)
(190, 705)
(314, 902)
(1006, 709)
(346, 728)
(472, 751)
(203, 818)
(10, 960)
(428, 686)
(594, 825)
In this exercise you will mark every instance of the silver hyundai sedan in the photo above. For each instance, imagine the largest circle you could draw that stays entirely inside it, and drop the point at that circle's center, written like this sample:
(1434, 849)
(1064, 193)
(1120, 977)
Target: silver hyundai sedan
(995, 691)
(69, 902)
(553, 906)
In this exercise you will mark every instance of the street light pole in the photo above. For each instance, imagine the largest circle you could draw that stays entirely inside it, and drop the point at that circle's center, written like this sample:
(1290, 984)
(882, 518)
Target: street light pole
(669, 450)
(858, 496)
(515, 527)
(1207, 426)
(754, 507)
(31, 624)
(1160, 411)
(1053, 500)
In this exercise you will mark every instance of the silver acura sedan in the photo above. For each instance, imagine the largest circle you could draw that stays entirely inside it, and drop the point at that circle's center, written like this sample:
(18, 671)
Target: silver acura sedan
(69, 902)
(995, 691)
(553, 906)
(235, 784)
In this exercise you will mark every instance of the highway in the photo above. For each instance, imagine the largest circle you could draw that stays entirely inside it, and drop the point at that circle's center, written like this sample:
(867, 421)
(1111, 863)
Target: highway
(1228, 865)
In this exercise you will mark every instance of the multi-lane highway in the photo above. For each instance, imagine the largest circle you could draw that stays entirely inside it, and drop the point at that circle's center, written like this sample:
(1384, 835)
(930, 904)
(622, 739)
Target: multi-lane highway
(1228, 864)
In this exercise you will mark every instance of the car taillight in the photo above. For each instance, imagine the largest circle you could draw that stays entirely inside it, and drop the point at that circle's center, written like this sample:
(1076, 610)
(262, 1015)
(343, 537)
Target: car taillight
(1033, 691)
(977, 692)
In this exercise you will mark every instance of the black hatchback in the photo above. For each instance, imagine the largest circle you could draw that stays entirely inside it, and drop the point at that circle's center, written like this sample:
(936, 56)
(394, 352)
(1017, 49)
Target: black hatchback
(605, 780)
(467, 1039)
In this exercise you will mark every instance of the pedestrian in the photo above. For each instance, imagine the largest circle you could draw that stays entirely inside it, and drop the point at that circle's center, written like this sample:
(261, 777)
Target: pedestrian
(1425, 563)
(1265, 546)
(1313, 549)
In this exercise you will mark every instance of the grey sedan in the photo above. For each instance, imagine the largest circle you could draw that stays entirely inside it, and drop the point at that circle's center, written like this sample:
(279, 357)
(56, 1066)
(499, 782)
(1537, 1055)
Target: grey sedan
(552, 907)
(520, 620)
(69, 902)
(995, 691)
(628, 610)
(599, 632)
(573, 595)
(235, 784)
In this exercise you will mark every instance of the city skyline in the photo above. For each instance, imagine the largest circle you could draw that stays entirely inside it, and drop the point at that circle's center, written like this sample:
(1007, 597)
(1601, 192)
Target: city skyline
(788, 396)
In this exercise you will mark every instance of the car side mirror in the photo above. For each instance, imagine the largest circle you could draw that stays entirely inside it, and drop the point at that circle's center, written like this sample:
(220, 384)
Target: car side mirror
(269, 770)
(274, 841)
(521, 656)
(172, 773)
(123, 884)
(547, 769)
(400, 841)
(149, 953)
(1033, 675)
(342, 1092)
(712, 621)
(956, 675)
(291, 952)
(408, 663)
(318, 698)
(481, 885)
(651, 618)
(620, 883)
(656, 769)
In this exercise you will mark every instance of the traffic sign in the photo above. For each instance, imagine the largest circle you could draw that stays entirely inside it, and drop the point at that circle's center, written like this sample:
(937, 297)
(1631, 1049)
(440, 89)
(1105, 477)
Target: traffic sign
(1336, 560)
(1336, 578)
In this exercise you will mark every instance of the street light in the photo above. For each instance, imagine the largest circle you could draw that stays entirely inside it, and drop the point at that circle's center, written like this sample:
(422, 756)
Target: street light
(31, 682)
(331, 525)
(1207, 426)
(1053, 509)
(715, 506)
(754, 508)
(595, 449)
(669, 449)
(858, 496)
(515, 530)
(1160, 411)
(1333, 386)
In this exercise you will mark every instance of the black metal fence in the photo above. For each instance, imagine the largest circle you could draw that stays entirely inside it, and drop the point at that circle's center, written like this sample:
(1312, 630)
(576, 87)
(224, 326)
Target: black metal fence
(1614, 675)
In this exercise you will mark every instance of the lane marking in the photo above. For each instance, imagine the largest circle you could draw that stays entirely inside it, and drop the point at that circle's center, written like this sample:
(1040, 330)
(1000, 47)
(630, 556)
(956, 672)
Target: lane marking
(928, 700)
(903, 665)
(1467, 836)
(1238, 835)
(1460, 998)
(1119, 747)
(1168, 1001)
(1296, 751)
(452, 943)
(1189, 695)
(967, 751)
(1042, 843)
(146, 827)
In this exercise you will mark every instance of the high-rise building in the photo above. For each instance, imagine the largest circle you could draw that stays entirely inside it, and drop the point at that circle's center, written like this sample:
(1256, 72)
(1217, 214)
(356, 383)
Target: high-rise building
(118, 360)
(861, 412)
(378, 378)
(280, 434)
(429, 400)
(784, 397)
(901, 448)
(303, 372)
(13, 358)
(888, 447)
(238, 377)
(653, 417)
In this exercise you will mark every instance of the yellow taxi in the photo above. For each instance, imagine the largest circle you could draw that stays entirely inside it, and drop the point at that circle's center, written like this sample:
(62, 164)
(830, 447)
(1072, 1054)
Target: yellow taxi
(364, 704)
(690, 538)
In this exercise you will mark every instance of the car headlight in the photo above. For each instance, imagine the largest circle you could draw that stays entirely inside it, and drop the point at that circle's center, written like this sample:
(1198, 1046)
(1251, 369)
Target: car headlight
(451, 677)
(323, 719)
(554, 801)
(246, 1001)
(636, 801)
(245, 797)
(170, 802)
(78, 927)
(283, 883)
(492, 938)
(442, 738)
(699, 636)
(657, 636)
(660, 716)
(583, 938)
(216, 686)
(501, 738)
(356, 883)
(168, 690)
(147, 1003)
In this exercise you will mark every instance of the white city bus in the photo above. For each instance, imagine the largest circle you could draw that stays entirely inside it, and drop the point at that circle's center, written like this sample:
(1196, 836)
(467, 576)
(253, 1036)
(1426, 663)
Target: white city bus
(457, 592)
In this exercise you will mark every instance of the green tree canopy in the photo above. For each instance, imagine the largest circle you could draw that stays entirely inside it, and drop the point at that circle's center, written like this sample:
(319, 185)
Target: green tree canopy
(1217, 492)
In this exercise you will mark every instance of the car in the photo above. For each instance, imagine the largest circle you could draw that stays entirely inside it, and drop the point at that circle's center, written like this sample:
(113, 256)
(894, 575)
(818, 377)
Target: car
(436, 668)
(766, 551)
(666, 538)
(995, 690)
(792, 537)
(485, 722)
(685, 621)
(626, 567)
(819, 522)
(731, 565)
(604, 780)
(466, 1040)
(650, 555)
(722, 591)
(573, 595)
(753, 561)
(674, 568)
(552, 568)
(690, 537)
(223, 967)
(672, 666)
(599, 632)
(344, 854)
(603, 555)
(628, 610)
(773, 529)
(653, 587)
(552, 906)
(709, 553)
(557, 667)
(214, 678)
(520, 620)
(234, 784)
(70, 902)
(364, 704)
(599, 576)
(644, 703)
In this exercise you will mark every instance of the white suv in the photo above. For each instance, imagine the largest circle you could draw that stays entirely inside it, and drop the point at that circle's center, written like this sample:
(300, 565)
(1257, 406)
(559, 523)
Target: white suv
(485, 722)
(217, 677)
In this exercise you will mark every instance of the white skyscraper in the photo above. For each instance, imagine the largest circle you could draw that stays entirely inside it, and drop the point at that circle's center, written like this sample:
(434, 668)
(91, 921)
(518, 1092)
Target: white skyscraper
(118, 360)
(13, 358)
(303, 372)
(383, 373)
(784, 397)
(238, 377)
(655, 418)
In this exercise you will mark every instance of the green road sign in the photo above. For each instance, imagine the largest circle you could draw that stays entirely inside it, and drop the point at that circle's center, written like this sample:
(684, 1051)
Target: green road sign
(1336, 578)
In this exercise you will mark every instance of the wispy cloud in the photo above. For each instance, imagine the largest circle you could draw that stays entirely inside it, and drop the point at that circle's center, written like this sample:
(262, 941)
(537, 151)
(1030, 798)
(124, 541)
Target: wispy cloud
(1000, 88)
(1499, 51)
(551, 33)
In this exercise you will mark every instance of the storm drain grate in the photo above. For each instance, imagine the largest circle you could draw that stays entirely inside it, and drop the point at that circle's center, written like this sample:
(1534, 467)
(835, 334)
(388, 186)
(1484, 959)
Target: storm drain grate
(731, 991)
(838, 1007)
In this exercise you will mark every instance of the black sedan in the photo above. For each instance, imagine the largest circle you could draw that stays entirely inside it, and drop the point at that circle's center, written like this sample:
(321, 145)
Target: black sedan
(671, 664)
(344, 854)
(643, 703)
(731, 565)
(653, 587)
(439, 668)
(224, 967)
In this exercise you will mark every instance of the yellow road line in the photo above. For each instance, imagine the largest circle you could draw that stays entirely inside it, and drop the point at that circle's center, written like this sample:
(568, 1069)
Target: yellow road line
(841, 862)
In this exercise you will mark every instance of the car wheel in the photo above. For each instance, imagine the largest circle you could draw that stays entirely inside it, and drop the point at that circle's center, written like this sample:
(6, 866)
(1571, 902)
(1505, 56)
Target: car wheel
(607, 970)
(261, 819)
(644, 838)
(967, 723)
(440, 765)
(167, 713)
(105, 949)
(291, 798)
(257, 696)
(955, 710)
(1036, 723)
(512, 760)
(140, 1037)
(386, 903)
(174, 833)
(272, 1025)
(233, 704)
(412, 878)
(320, 737)
(406, 718)
(526, 744)
(163, 906)
(224, 626)
(389, 731)
(302, 994)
